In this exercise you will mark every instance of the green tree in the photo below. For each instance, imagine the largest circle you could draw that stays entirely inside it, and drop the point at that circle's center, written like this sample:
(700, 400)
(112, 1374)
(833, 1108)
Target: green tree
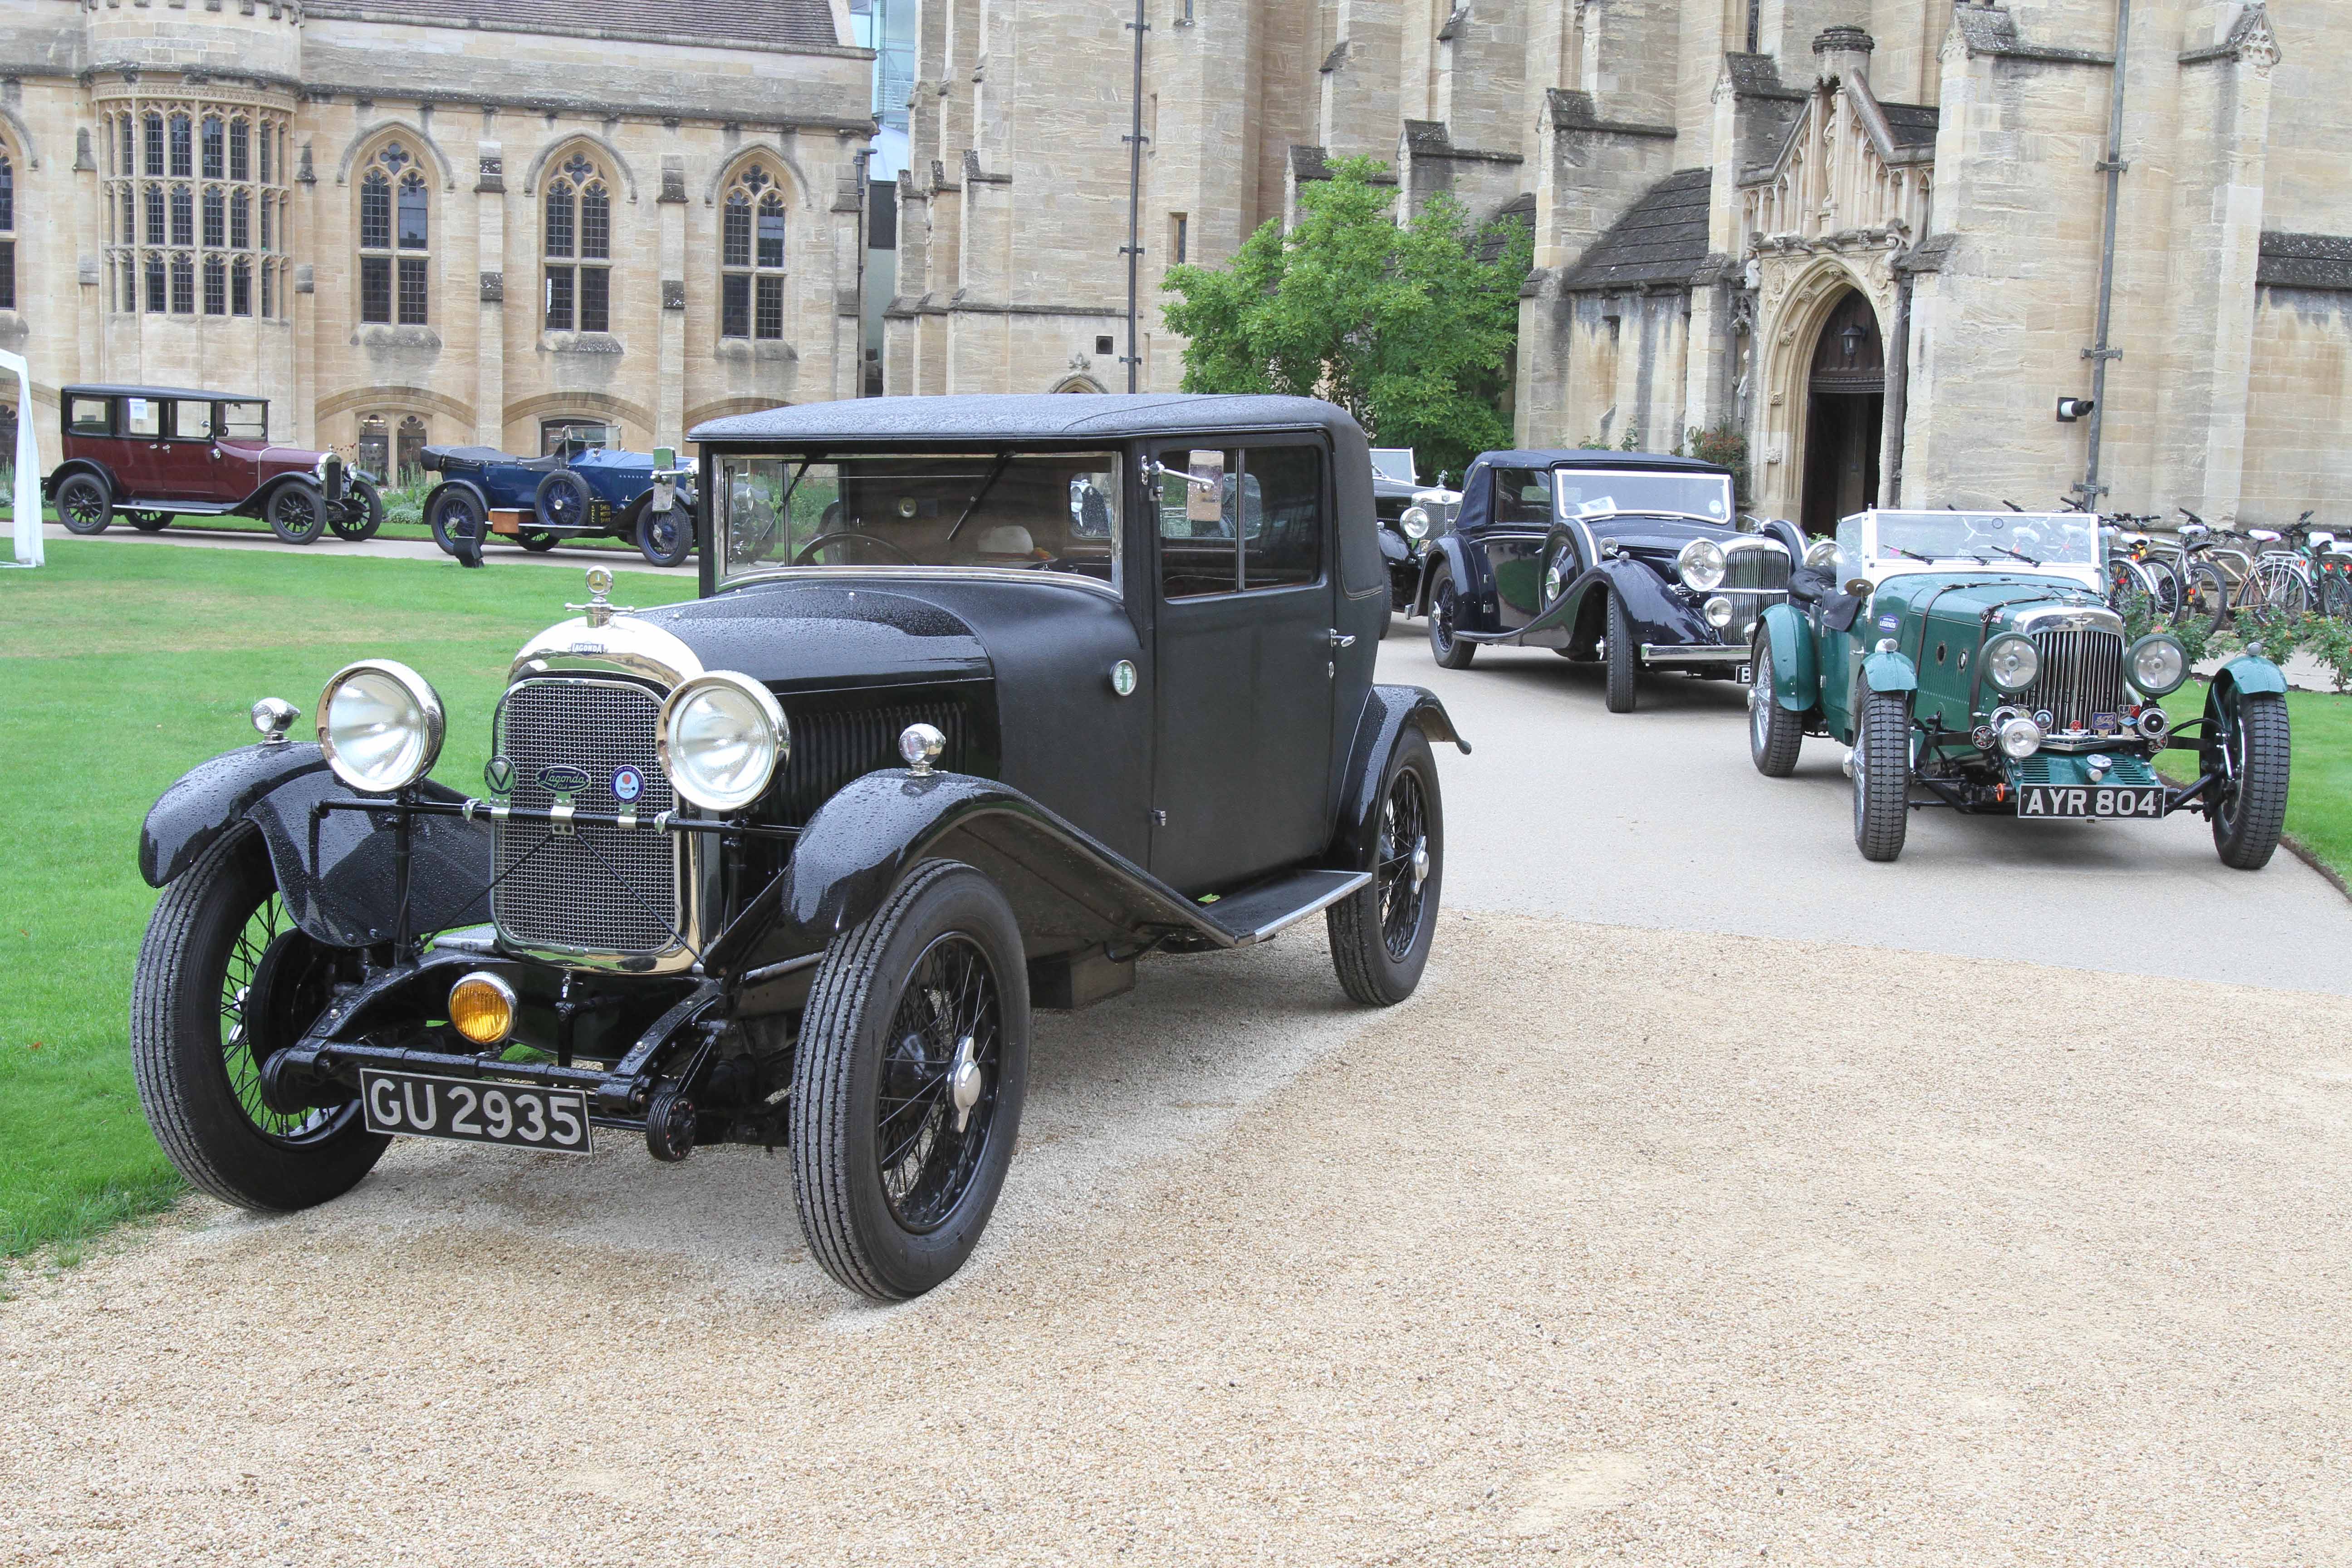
(1409, 327)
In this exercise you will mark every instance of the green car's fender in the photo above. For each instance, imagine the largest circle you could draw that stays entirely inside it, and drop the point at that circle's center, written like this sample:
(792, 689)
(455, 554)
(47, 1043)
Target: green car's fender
(1890, 672)
(1796, 668)
(2252, 673)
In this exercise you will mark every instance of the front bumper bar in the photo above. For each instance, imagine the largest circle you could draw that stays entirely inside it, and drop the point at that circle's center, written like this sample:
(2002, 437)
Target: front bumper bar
(1670, 653)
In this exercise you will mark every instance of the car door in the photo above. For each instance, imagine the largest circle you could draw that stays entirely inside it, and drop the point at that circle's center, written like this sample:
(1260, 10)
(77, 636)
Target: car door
(1242, 640)
(1520, 524)
(140, 463)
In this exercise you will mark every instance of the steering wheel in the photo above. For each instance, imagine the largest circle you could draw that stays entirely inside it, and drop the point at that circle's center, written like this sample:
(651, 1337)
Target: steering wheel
(822, 539)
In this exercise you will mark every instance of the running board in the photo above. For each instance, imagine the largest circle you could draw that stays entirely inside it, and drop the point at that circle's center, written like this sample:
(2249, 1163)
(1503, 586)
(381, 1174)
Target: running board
(1257, 913)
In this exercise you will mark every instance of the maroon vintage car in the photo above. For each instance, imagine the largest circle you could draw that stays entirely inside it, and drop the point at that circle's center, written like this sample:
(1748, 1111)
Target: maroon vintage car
(149, 454)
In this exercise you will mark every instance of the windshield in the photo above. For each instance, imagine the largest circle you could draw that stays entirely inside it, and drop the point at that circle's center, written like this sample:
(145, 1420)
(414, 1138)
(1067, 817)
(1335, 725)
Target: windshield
(244, 422)
(1980, 538)
(1597, 492)
(1028, 512)
(1394, 463)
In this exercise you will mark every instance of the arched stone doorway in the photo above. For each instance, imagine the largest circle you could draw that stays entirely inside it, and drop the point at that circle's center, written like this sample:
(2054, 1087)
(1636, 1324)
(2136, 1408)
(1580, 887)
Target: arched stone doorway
(1845, 414)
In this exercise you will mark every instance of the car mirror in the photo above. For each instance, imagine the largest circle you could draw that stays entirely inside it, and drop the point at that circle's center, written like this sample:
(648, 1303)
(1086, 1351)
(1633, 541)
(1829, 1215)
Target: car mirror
(1858, 586)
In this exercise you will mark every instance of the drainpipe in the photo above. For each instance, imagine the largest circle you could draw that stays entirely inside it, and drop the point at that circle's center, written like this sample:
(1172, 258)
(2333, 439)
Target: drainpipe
(2099, 353)
(1134, 249)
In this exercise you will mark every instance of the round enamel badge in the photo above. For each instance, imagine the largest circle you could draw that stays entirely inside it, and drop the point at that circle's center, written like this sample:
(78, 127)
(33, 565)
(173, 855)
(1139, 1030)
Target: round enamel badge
(628, 784)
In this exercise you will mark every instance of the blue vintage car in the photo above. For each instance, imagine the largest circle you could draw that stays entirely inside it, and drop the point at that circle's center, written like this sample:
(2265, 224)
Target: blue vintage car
(576, 491)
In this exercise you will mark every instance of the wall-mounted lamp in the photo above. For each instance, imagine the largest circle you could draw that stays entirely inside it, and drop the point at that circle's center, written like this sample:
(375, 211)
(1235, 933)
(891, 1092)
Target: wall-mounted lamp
(1852, 339)
(2070, 409)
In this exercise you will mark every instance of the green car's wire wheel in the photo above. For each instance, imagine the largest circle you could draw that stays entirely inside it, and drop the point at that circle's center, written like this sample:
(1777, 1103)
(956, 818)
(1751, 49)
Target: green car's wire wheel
(223, 982)
(1444, 605)
(1775, 735)
(2249, 743)
(85, 504)
(1624, 659)
(908, 1082)
(1381, 934)
(1882, 774)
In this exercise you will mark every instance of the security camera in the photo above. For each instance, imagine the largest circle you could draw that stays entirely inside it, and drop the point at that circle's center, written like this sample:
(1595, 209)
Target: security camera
(2070, 409)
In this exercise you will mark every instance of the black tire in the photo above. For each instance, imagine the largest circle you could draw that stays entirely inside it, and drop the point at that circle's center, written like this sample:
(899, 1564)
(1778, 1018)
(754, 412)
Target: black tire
(538, 540)
(2336, 596)
(149, 521)
(665, 538)
(1624, 661)
(1450, 651)
(85, 503)
(208, 1000)
(296, 514)
(563, 501)
(867, 1023)
(1775, 735)
(457, 518)
(1388, 618)
(2208, 596)
(1882, 774)
(361, 514)
(2249, 744)
(1382, 933)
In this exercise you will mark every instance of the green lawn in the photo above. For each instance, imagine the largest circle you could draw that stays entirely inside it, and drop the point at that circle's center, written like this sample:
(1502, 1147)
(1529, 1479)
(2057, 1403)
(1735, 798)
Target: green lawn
(120, 667)
(2319, 800)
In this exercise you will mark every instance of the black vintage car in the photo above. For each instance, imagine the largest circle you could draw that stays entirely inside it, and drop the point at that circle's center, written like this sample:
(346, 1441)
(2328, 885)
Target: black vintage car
(1634, 559)
(1411, 514)
(986, 699)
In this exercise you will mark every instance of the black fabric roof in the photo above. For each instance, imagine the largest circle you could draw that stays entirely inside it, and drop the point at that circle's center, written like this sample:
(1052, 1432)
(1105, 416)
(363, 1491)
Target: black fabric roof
(1661, 239)
(160, 392)
(1032, 416)
(723, 21)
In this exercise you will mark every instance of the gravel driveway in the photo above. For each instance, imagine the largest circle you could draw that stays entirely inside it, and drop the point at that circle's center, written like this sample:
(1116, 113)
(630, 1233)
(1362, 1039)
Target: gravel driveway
(1613, 1244)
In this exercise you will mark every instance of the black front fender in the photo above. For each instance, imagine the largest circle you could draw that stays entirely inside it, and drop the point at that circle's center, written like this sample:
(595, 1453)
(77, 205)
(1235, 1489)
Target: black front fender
(1068, 890)
(1389, 712)
(336, 871)
(1653, 611)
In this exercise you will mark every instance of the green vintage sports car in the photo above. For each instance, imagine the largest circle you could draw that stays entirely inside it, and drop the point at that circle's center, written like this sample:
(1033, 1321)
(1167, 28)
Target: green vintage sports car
(1969, 659)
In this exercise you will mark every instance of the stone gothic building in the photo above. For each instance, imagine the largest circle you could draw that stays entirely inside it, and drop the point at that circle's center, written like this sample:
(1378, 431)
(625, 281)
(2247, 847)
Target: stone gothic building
(1870, 237)
(413, 221)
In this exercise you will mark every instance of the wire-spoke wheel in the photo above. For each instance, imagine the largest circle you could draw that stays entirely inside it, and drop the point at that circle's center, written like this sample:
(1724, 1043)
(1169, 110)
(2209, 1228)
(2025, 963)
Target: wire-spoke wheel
(1381, 934)
(1444, 606)
(1775, 735)
(2248, 747)
(224, 981)
(908, 1082)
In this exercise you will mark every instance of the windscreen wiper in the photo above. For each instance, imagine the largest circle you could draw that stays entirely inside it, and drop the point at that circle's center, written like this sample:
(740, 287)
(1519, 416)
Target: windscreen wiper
(1003, 461)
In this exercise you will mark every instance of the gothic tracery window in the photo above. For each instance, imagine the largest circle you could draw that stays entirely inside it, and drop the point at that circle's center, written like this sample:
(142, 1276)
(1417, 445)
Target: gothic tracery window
(395, 233)
(7, 230)
(577, 239)
(751, 257)
(180, 206)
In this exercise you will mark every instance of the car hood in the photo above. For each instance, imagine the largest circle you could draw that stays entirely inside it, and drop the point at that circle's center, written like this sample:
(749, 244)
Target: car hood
(271, 452)
(1994, 599)
(819, 636)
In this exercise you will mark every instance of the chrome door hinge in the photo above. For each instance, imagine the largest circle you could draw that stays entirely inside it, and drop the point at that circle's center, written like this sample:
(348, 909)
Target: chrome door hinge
(1343, 639)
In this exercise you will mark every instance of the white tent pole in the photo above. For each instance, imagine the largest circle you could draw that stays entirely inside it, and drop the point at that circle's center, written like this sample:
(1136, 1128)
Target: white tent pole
(28, 464)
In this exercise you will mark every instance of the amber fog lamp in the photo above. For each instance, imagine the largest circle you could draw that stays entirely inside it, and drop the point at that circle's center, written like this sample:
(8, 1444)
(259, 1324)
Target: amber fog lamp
(482, 1008)
(379, 725)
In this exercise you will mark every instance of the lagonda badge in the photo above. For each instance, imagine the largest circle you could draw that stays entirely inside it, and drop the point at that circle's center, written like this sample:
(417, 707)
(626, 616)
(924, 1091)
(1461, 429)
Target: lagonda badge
(500, 775)
(628, 784)
(563, 778)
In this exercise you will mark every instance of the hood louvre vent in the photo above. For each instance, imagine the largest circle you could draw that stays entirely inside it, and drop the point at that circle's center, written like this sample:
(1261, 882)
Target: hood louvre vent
(834, 745)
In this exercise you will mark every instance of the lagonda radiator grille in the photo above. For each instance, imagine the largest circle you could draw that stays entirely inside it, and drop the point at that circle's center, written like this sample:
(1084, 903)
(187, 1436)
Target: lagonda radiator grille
(1755, 577)
(2082, 674)
(599, 890)
(832, 746)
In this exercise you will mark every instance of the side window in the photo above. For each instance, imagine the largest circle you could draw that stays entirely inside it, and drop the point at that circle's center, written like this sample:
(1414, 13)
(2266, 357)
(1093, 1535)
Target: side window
(1523, 497)
(143, 416)
(1281, 546)
(192, 421)
(89, 416)
(1200, 549)
(1849, 549)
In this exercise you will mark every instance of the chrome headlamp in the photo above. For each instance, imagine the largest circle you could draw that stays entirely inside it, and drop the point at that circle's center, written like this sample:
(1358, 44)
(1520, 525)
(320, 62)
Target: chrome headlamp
(2156, 664)
(1415, 523)
(1699, 565)
(379, 725)
(2020, 738)
(1821, 554)
(2011, 662)
(721, 738)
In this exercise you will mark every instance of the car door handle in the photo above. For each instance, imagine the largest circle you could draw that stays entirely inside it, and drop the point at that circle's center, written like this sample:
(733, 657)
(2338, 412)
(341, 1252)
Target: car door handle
(1343, 639)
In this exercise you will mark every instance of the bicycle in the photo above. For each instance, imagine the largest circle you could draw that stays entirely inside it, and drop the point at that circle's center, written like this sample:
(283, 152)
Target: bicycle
(2139, 568)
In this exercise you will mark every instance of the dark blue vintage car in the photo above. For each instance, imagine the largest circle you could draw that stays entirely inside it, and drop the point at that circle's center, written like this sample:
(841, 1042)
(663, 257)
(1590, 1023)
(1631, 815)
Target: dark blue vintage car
(575, 492)
(1634, 559)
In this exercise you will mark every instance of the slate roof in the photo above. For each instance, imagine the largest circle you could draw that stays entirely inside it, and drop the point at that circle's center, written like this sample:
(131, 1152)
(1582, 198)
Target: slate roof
(773, 22)
(1661, 239)
(1914, 124)
(2305, 261)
